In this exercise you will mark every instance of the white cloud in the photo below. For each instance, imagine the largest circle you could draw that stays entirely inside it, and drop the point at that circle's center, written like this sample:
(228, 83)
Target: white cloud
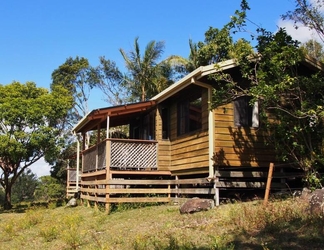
(40, 168)
(318, 4)
(302, 34)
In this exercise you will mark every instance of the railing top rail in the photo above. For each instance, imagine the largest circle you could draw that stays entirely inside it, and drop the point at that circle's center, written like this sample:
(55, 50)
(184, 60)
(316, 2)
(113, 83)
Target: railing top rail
(119, 140)
(131, 140)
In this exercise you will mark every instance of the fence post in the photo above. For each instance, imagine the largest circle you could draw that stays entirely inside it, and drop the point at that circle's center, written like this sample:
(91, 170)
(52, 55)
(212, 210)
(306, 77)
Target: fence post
(267, 191)
(216, 180)
(108, 175)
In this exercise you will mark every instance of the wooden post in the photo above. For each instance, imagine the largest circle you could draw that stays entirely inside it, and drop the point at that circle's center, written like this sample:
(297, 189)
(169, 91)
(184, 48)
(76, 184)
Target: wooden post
(267, 191)
(88, 194)
(68, 183)
(169, 193)
(216, 179)
(108, 175)
(96, 192)
(176, 187)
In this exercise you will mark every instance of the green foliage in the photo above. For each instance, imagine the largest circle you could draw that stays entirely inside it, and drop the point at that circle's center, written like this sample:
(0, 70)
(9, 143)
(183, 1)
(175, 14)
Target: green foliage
(293, 96)
(31, 219)
(215, 48)
(313, 49)
(31, 123)
(110, 80)
(75, 76)
(146, 76)
(308, 14)
(290, 95)
(49, 188)
(65, 159)
(218, 46)
(24, 187)
(49, 233)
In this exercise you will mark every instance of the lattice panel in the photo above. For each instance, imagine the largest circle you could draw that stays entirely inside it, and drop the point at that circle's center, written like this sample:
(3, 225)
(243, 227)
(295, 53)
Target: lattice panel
(133, 155)
(102, 155)
(72, 175)
(89, 160)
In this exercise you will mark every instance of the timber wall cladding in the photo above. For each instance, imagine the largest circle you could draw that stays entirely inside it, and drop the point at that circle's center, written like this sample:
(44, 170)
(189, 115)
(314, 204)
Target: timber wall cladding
(238, 146)
(164, 146)
(189, 151)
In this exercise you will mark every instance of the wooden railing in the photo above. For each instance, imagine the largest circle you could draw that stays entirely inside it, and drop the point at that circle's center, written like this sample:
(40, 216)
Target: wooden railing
(71, 186)
(122, 154)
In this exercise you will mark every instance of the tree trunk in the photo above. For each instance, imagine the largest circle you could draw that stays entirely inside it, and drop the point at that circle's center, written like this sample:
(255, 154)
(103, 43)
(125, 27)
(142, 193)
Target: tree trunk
(7, 202)
(143, 93)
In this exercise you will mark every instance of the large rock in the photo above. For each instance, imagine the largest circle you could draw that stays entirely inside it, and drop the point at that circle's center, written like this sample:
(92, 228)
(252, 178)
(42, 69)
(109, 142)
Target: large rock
(72, 203)
(316, 202)
(314, 199)
(196, 205)
(306, 194)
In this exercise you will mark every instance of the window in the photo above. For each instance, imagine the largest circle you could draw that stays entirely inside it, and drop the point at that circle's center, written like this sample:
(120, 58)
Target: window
(189, 115)
(149, 126)
(245, 114)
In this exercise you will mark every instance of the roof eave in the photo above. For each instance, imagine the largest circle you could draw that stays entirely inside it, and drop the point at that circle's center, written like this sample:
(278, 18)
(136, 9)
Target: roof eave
(196, 74)
(80, 124)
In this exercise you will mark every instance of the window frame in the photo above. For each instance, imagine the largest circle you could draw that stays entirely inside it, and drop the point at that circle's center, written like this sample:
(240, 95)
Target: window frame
(187, 118)
(245, 114)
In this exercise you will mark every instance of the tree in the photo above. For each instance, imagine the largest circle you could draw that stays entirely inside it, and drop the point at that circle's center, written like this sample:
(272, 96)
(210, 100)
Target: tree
(66, 158)
(75, 76)
(218, 46)
(24, 187)
(183, 65)
(314, 49)
(285, 94)
(144, 70)
(31, 124)
(308, 14)
(110, 80)
(49, 188)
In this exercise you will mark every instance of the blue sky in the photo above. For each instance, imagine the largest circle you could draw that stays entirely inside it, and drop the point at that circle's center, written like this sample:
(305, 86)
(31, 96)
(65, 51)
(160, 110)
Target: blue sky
(38, 36)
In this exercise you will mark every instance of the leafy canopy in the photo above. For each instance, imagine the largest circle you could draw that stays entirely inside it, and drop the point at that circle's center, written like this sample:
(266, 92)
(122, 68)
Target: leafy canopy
(290, 95)
(31, 124)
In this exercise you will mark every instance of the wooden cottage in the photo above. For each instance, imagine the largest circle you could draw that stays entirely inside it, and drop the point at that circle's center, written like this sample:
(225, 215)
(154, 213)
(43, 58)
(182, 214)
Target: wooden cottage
(174, 146)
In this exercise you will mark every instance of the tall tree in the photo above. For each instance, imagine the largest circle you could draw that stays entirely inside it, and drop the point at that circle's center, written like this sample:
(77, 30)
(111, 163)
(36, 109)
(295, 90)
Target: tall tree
(75, 76)
(308, 14)
(31, 124)
(314, 49)
(144, 70)
(66, 158)
(49, 188)
(24, 187)
(218, 46)
(111, 81)
(284, 92)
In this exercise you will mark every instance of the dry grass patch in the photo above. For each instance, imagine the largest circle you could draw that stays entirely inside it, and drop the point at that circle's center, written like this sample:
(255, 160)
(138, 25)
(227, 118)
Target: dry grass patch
(250, 225)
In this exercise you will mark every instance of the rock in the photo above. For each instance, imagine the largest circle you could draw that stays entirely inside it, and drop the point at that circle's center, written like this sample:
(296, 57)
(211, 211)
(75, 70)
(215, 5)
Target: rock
(316, 202)
(306, 194)
(196, 205)
(72, 203)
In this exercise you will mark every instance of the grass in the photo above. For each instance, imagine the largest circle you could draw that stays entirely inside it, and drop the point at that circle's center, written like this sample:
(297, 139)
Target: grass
(282, 224)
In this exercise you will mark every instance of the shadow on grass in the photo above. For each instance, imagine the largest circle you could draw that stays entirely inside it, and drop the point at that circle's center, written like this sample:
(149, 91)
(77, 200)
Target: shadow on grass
(296, 234)
(23, 207)
(173, 244)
